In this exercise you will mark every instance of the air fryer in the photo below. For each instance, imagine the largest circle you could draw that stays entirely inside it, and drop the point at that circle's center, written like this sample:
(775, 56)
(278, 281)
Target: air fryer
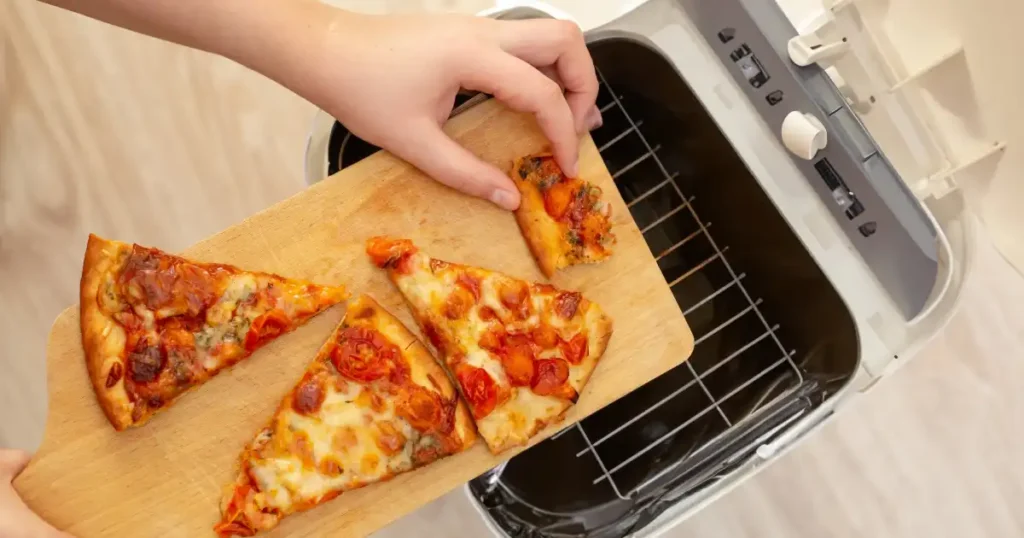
(773, 337)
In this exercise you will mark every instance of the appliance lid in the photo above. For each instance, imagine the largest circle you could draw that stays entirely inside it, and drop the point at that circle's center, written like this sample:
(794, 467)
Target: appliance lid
(936, 95)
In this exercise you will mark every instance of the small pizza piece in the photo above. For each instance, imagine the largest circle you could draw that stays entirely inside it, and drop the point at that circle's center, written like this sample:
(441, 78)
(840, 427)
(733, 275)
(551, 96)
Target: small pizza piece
(564, 220)
(520, 352)
(371, 405)
(155, 325)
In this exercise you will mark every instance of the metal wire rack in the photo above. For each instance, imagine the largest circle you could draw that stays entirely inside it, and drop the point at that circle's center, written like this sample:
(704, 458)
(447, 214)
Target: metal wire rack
(648, 153)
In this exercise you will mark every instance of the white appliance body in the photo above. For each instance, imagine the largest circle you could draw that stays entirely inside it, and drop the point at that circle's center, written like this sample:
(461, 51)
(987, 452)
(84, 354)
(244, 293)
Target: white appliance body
(886, 338)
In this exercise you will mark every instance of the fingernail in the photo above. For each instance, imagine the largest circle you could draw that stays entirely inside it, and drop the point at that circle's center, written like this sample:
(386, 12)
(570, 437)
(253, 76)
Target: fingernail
(593, 119)
(503, 199)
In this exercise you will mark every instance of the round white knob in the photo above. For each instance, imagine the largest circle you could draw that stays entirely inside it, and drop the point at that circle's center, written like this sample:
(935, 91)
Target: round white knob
(803, 134)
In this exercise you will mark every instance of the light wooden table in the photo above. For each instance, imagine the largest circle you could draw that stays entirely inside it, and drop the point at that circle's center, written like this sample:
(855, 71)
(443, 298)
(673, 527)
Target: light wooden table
(103, 130)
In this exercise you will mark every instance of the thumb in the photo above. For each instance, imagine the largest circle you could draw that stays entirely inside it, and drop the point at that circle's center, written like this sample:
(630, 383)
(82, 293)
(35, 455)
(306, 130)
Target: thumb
(16, 519)
(11, 463)
(428, 148)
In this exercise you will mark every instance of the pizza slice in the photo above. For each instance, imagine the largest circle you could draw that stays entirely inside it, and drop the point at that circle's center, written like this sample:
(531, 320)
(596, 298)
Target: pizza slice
(520, 352)
(371, 405)
(155, 325)
(564, 220)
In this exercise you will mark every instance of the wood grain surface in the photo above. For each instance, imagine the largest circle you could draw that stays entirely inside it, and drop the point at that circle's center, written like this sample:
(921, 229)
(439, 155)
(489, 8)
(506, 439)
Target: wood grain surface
(166, 478)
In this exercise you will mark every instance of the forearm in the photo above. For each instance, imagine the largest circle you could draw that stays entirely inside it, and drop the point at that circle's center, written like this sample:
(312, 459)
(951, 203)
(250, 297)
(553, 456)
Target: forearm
(281, 39)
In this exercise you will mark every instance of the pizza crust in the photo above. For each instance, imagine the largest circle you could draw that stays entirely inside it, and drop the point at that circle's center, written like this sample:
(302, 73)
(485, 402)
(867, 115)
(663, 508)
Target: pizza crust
(600, 333)
(543, 235)
(104, 348)
(502, 435)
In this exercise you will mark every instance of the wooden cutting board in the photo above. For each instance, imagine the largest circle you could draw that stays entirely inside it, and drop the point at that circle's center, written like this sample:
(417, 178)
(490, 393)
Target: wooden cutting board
(165, 479)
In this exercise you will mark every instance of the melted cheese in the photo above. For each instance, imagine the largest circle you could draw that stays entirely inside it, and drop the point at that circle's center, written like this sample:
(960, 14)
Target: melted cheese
(520, 417)
(422, 288)
(286, 480)
(238, 289)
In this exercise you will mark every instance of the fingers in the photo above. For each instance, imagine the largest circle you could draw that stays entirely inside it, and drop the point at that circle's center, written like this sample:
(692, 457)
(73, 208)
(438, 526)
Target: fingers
(593, 119)
(522, 87)
(11, 463)
(433, 152)
(550, 42)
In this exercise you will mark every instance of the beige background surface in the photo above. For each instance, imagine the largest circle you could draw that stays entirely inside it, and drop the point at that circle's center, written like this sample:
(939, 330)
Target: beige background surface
(103, 130)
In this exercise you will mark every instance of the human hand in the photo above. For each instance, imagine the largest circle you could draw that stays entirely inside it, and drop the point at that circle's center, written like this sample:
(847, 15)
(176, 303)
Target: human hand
(392, 80)
(16, 520)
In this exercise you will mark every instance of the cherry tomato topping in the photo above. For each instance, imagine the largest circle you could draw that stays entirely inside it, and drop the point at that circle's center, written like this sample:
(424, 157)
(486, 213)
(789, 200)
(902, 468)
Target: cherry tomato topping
(265, 328)
(459, 303)
(559, 197)
(487, 313)
(493, 339)
(545, 336)
(575, 350)
(389, 253)
(550, 378)
(518, 362)
(363, 354)
(421, 408)
(478, 388)
(515, 296)
(512, 340)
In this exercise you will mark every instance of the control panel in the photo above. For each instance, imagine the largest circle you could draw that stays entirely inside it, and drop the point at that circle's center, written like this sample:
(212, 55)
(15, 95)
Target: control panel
(827, 143)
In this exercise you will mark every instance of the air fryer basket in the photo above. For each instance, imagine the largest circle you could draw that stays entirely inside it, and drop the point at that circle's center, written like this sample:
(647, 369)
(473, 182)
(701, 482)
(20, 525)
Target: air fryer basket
(774, 339)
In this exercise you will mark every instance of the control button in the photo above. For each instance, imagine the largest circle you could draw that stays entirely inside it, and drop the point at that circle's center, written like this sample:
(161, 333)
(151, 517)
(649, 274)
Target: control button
(751, 67)
(803, 135)
(726, 35)
(842, 197)
(868, 228)
(774, 97)
(855, 209)
(741, 52)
